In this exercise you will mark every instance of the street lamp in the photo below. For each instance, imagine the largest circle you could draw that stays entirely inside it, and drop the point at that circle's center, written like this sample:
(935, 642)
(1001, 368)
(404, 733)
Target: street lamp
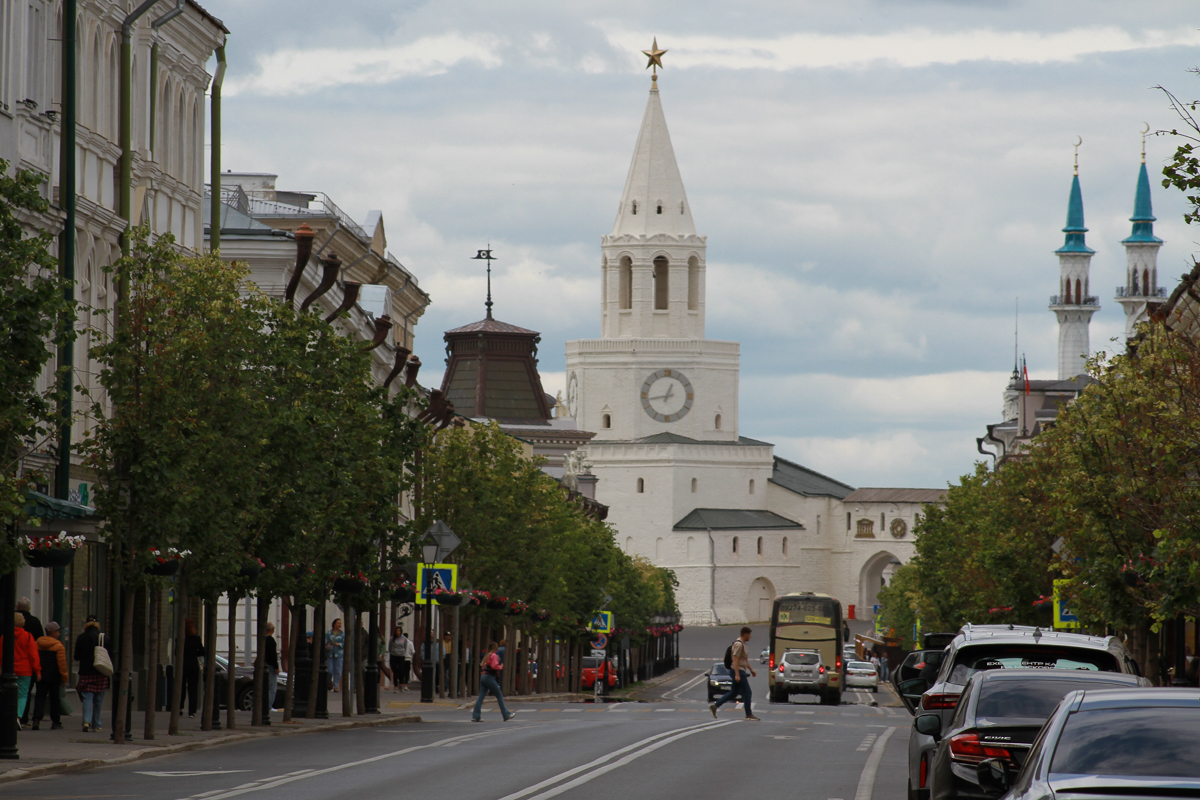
(439, 542)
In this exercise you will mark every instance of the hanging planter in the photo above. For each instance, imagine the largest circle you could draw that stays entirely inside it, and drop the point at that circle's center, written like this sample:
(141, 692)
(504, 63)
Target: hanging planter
(497, 603)
(164, 569)
(516, 608)
(346, 585)
(449, 599)
(55, 550)
(251, 570)
(1131, 578)
(50, 558)
(404, 594)
(540, 616)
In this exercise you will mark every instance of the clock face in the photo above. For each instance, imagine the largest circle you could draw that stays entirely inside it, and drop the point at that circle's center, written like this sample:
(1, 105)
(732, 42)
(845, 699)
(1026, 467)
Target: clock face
(667, 395)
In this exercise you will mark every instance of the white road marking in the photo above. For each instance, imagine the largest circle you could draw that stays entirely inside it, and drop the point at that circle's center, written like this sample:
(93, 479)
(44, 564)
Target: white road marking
(805, 712)
(867, 742)
(674, 693)
(665, 710)
(191, 773)
(824, 723)
(628, 753)
(572, 710)
(866, 782)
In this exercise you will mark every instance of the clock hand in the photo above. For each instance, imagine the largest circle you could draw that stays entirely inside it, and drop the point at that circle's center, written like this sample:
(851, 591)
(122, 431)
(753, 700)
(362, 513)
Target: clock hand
(666, 396)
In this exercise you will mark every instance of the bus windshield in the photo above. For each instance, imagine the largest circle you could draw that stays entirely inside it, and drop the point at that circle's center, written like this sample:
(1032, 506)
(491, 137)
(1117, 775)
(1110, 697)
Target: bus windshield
(806, 611)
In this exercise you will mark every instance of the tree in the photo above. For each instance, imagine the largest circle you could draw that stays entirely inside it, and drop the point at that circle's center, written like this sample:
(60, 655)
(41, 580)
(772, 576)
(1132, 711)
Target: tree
(35, 316)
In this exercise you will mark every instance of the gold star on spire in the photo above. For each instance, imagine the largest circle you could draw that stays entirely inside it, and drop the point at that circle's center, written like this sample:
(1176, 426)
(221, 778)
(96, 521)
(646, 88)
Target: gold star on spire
(655, 55)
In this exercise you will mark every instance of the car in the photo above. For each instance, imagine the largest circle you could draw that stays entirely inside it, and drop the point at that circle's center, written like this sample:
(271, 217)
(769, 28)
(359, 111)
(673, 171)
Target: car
(978, 648)
(243, 685)
(720, 681)
(999, 715)
(591, 664)
(849, 653)
(918, 664)
(862, 674)
(764, 656)
(1113, 743)
(801, 672)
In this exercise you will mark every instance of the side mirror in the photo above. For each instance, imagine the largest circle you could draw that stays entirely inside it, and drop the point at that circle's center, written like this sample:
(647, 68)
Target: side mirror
(930, 725)
(910, 693)
(993, 776)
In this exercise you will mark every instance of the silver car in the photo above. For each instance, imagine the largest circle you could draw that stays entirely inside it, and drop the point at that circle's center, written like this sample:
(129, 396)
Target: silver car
(802, 672)
(862, 675)
(986, 647)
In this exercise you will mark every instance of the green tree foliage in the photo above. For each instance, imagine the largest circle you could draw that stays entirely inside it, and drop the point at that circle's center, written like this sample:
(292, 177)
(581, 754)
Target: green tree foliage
(35, 318)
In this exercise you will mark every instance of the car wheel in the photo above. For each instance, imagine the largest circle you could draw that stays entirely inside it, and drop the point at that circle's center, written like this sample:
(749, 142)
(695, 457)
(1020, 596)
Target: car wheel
(245, 699)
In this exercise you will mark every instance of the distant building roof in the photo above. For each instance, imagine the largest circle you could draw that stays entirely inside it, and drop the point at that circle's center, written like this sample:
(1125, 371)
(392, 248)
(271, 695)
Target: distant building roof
(896, 496)
(727, 519)
(675, 438)
(1182, 312)
(492, 326)
(807, 482)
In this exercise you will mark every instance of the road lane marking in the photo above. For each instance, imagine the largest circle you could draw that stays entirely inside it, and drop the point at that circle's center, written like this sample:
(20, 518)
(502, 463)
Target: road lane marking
(191, 773)
(664, 710)
(629, 753)
(867, 742)
(676, 692)
(280, 780)
(866, 782)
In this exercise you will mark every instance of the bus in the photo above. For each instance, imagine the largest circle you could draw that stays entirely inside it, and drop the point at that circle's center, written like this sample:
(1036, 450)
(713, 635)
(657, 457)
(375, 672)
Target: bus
(807, 621)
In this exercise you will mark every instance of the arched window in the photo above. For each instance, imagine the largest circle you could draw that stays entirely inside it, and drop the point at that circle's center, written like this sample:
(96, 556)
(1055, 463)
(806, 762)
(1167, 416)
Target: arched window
(606, 421)
(1078, 292)
(693, 283)
(680, 206)
(626, 282)
(1066, 292)
(641, 485)
(735, 544)
(752, 486)
(114, 94)
(760, 545)
(658, 549)
(633, 205)
(660, 206)
(628, 544)
(662, 293)
(785, 545)
(847, 520)
(1146, 281)
(1134, 291)
(691, 543)
(694, 485)
(717, 422)
(882, 526)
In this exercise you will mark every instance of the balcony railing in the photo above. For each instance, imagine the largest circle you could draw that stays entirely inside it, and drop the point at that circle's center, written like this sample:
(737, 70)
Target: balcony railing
(1124, 291)
(1087, 301)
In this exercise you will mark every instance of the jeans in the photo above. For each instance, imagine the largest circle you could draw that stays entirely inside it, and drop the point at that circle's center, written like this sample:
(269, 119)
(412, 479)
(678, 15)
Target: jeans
(271, 676)
(93, 703)
(740, 686)
(47, 690)
(335, 664)
(489, 685)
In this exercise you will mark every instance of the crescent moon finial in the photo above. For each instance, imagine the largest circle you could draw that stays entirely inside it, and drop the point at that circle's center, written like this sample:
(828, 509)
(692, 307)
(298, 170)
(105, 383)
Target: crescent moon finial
(1078, 141)
(1147, 128)
(1145, 131)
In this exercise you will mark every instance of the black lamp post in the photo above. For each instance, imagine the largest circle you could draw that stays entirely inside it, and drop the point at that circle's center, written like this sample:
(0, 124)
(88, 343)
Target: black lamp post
(429, 551)
(8, 677)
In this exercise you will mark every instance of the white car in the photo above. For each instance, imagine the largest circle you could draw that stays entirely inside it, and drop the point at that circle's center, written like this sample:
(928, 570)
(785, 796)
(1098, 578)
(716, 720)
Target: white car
(863, 675)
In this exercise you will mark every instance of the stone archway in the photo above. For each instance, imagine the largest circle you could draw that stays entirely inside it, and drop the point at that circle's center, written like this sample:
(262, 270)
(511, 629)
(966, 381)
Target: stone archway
(876, 572)
(759, 598)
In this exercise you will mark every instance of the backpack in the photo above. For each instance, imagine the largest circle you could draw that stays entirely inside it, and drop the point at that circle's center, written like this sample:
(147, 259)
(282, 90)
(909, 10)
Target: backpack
(729, 655)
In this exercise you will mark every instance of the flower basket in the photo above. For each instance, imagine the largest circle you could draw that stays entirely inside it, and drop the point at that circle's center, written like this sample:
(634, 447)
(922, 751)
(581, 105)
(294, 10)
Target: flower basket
(251, 571)
(539, 616)
(497, 604)
(348, 585)
(1131, 578)
(164, 569)
(516, 609)
(448, 599)
(404, 594)
(59, 557)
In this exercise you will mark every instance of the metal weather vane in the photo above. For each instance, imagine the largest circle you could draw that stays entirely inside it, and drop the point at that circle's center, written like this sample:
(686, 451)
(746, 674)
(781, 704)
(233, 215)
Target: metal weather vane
(655, 55)
(487, 255)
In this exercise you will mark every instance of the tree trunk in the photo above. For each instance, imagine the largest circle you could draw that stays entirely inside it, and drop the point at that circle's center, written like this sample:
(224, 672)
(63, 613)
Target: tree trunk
(153, 594)
(295, 635)
(122, 693)
(230, 673)
(310, 711)
(261, 690)
(177, 670)
(211, 711)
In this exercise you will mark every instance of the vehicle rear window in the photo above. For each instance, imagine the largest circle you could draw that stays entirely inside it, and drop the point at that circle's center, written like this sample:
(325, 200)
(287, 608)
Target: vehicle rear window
(970, 660)
(590, 663)
(798, 659)
(1138, 742)
(1027, 699)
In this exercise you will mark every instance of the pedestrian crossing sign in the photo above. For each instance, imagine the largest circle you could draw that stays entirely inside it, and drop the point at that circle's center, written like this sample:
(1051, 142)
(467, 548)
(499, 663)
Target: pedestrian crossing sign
(1064, 617)
(434, 577)
(602, 622)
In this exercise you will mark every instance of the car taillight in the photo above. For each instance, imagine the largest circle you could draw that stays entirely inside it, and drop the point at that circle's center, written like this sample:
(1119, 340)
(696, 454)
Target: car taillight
(839, 663)
(772, 664)
(924, 771)
(781, 667)
(967, 748)
(932, 702)
(821, 669)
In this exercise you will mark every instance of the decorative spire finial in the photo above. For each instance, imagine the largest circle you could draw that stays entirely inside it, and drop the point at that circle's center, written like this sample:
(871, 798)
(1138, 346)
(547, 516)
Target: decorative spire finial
(1078, 141)
(655, 55)
(1144, 132)
(487, 255)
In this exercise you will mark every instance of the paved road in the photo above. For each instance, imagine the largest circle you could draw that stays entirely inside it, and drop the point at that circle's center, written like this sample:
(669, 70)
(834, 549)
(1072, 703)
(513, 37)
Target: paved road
(669, 747)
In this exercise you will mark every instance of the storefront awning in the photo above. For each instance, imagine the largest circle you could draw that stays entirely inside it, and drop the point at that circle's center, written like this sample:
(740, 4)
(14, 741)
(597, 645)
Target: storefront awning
(44, 506)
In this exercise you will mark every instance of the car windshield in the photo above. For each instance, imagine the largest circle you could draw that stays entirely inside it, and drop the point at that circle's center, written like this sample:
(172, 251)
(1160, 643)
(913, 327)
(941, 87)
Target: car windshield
(719, 669)
(970, 660)
(1134, 742)
(860, 665)
(1030, 698)
(801, 659)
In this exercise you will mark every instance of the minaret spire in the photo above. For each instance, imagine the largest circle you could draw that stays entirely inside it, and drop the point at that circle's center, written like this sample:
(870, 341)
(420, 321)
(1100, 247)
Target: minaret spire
(1074, 305)
(1140, 294)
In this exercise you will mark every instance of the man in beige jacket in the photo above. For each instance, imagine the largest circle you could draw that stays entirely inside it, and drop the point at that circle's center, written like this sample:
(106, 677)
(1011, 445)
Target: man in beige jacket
(739, 665)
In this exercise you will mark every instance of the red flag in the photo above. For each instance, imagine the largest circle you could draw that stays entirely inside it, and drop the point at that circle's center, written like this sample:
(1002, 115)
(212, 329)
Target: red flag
(1025, 375)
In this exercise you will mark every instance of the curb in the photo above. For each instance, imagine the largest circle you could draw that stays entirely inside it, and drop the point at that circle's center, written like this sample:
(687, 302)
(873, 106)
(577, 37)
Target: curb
(78, 765)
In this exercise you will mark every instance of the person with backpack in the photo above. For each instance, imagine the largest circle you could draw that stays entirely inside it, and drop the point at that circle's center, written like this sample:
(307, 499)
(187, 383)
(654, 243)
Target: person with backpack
(489, 683)
(737, 660)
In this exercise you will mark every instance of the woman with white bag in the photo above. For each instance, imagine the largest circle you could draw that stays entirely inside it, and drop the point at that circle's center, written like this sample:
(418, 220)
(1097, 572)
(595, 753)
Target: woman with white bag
(95, 667)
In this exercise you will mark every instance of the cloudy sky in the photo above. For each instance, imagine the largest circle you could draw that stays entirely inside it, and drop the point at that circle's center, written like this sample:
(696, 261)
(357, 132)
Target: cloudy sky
(880, 182)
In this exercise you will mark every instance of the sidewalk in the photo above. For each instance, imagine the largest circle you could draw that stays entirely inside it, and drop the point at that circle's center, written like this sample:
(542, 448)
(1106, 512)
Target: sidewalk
(47, 752)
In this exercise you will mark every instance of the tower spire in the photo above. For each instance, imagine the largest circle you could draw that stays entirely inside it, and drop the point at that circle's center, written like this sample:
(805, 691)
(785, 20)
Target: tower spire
(487, 255)
(1140, 294)
(1074, 305)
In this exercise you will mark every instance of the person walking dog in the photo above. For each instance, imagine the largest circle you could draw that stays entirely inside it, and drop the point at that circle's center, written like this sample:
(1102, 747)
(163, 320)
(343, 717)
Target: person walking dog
(489, 683)
(738, 661)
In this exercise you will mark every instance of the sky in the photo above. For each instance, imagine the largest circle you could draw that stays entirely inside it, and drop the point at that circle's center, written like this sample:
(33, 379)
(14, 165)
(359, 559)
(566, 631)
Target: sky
(882, 184)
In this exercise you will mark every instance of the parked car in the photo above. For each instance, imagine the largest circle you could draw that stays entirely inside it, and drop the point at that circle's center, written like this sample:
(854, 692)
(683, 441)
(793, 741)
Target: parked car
(801, 672)
(592, 665)
(849, 653)
(1115, 743)
(243, 683)
(720, 681)
(862, 674)
(978, 648)
(918, 663)
(998, 716)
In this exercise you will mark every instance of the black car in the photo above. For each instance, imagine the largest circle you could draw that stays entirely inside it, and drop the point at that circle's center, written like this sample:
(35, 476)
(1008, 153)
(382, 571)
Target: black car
(998, 716)
(1116, 743)
(720, 681)
(243, 685)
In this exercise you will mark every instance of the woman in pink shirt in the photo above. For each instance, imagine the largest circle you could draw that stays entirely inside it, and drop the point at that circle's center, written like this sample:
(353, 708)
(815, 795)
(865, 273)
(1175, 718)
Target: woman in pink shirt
(489, 682)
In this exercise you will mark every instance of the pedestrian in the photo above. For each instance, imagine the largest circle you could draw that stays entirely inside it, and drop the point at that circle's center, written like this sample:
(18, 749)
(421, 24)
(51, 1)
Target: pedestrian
(489, 682)
(447, 653)
(27, 663)
(381, 658)
(33, 626)
(270, 670)
(54, 676)
(739, 663)
(92, 683)
(193, 651)
(400, 651)
(335, 647)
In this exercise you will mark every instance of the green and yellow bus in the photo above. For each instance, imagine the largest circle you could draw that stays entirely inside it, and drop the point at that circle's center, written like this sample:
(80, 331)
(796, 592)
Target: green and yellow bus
(807, 621)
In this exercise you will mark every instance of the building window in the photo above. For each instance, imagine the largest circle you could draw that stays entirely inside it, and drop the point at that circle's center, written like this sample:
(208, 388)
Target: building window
(629, 544)
(626, 282)
(735, 543)
(785, 545)
(659, 206)
(717, 422)
(866, 529)
(1078, 293)
(606, 421)
(634, 206)
(680, 206)
(882, 524)
(693, 485)
(662, 283)
(760, 545)
(847, 520)
(641, 485)
(693, 283)
(752, 486)
(658, 549)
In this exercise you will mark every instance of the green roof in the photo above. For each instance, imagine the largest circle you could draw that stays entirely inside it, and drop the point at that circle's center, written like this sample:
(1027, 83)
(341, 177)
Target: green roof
(44, 506)
(727, 519)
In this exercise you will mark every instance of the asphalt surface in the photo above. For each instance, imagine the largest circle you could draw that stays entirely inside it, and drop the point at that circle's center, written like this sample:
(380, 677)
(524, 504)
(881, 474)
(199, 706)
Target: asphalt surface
(669, 746)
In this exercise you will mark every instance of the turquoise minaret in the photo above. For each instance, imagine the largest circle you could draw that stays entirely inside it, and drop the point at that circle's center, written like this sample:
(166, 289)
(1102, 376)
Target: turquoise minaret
(1073, 305)
(1141, 294)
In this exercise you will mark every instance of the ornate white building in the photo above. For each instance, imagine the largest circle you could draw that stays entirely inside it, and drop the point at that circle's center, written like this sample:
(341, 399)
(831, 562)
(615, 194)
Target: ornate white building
(1141, 295)
(737, 524)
